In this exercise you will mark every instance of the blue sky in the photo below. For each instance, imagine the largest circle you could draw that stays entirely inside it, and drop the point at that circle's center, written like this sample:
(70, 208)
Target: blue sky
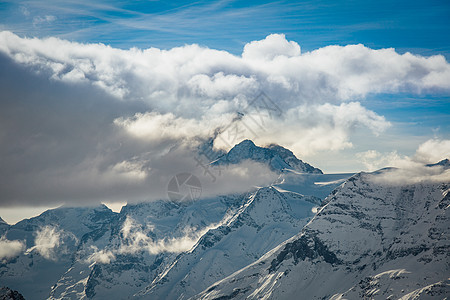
(418, 26)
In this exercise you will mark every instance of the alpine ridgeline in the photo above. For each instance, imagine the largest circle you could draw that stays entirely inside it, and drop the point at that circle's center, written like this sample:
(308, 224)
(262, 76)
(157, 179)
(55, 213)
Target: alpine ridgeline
(375, 238)
(372, 237)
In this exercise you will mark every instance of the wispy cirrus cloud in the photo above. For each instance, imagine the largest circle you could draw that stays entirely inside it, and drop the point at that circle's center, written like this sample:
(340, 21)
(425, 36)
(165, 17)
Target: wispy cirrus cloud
(229, 24)
(45, 19)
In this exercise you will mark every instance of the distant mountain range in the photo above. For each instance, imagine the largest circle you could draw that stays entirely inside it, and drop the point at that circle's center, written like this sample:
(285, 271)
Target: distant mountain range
(367, 239)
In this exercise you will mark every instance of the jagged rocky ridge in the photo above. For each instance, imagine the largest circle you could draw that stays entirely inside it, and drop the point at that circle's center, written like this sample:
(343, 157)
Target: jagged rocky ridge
(372, 239)
(279, 159)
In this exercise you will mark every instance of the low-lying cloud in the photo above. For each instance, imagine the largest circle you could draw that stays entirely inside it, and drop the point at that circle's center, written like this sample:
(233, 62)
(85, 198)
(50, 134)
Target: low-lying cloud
(420, 167)
(83, 123)
(430, 152)
(413, 173)
(433, 151)
(10, 249)
(50, 242)
(136, 239)
(100, 256)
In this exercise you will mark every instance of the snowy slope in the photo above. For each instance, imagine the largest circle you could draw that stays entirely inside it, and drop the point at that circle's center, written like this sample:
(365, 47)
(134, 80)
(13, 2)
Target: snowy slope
(50, 240)
(265, 220)
(279, 159)
(372, 239)
(122, 259)
(317, 185)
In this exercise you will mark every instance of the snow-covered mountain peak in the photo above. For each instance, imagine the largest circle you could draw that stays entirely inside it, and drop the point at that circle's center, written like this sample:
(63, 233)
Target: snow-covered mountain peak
(278, 159)
(443, 163)
(268, 203)
(245, 144)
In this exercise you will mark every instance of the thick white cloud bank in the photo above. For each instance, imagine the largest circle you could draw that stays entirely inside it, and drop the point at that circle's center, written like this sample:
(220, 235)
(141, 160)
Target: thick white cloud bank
(207, 76)
(433, 150)
(88, 122)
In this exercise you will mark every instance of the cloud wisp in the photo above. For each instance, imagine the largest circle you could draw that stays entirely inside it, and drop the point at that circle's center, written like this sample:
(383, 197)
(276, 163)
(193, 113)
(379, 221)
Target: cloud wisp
(136, 239)
(100, 256)
(50, 242)
(10, 249)
(85, 123)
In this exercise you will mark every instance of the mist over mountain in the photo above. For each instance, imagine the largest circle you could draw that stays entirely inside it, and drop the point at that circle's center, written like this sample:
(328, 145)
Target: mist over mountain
(370, 237)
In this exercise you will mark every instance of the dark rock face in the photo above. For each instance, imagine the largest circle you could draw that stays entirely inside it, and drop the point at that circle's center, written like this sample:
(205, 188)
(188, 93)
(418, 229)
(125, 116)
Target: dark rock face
(303, 248)
(443, 163)
(8, 294)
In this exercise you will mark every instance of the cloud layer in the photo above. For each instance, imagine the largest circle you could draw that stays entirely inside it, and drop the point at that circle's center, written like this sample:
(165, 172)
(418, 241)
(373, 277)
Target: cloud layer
(198, 75)
(411, 169)
(412, 173)
(84, 123)
(430, 152)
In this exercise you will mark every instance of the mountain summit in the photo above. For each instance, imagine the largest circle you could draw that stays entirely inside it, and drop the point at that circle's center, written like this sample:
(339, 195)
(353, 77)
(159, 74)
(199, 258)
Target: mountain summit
(445, 163)
(278, 158)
